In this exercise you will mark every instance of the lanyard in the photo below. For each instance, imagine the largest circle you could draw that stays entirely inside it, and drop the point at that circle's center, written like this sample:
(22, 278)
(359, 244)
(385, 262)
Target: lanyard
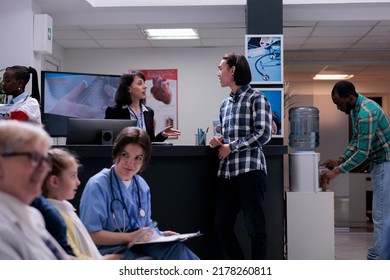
(140, 118)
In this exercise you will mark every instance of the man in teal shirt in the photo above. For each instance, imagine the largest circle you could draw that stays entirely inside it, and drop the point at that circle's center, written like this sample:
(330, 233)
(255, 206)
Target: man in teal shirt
(370, 140)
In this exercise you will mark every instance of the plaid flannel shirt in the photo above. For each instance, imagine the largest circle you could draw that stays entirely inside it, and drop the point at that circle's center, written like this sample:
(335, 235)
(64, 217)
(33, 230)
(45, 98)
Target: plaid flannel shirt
(370, 135)
(246, 120)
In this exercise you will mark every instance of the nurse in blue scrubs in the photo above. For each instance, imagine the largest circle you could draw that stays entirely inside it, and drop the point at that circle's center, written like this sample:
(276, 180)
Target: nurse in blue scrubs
(115, 205)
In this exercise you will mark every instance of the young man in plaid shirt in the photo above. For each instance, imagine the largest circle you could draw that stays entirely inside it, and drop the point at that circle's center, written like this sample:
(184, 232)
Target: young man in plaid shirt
(246, 121)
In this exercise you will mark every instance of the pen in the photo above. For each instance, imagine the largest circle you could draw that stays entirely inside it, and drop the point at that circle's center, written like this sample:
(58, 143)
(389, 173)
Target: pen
(151, 226)
(200, 136)
(203, 139)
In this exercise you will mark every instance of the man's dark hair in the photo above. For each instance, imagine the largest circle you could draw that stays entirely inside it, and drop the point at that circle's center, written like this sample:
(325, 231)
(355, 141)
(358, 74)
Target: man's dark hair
(344, 89)
(242, 75)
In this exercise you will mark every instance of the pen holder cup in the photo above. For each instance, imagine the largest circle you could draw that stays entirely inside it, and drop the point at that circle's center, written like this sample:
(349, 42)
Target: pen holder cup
(200, 140)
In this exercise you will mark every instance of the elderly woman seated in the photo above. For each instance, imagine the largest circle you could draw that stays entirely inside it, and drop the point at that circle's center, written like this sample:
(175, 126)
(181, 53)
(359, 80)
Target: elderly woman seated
(24, 164)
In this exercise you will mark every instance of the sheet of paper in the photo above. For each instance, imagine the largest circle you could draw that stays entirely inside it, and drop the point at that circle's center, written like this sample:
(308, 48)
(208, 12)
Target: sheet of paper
(156, 238)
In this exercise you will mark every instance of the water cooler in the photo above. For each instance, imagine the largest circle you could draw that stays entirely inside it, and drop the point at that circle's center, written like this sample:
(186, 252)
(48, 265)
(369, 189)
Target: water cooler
(310, 212)
(304, 137)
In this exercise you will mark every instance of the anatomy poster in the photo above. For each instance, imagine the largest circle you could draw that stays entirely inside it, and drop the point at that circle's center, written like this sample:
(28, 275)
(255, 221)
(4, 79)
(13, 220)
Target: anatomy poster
(161, 96)
(265, 57)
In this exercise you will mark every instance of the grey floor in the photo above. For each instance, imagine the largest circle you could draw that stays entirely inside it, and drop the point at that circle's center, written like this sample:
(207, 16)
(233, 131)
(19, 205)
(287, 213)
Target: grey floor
(352, 243)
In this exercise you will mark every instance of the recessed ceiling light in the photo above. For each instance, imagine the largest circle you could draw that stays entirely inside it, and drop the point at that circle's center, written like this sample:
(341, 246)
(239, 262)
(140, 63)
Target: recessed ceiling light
(332, 77)
(160, 3)
(170, 34)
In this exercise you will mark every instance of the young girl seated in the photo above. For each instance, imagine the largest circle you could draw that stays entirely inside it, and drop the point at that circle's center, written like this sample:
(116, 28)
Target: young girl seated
(61, 185)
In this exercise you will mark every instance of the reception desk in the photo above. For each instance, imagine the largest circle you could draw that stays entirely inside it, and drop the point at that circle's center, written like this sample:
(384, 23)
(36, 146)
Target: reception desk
(183, 184)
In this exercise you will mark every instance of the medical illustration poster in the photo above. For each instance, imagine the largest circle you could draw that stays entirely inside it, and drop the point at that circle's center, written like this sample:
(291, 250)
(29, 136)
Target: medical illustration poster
(265, 57)
(161, 96)
(275, 97)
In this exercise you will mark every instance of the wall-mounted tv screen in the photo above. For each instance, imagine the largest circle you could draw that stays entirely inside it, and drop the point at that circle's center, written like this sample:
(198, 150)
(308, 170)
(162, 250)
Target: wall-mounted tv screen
(74, 95)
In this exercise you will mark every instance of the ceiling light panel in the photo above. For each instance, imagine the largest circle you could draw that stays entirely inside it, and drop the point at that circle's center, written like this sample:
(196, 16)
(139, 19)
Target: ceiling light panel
(170, 34)
(332, 77)
(148, 3)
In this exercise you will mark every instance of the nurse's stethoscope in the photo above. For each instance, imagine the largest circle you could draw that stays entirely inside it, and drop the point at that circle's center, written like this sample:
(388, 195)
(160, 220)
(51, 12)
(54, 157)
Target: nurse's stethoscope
(141, 211)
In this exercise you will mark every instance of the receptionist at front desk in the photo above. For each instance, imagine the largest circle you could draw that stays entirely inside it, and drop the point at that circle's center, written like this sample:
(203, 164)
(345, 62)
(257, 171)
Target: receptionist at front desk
(130, 104)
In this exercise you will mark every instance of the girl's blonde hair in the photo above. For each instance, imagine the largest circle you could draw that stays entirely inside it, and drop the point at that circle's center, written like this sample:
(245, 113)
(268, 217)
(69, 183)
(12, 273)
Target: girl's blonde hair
(61, 159)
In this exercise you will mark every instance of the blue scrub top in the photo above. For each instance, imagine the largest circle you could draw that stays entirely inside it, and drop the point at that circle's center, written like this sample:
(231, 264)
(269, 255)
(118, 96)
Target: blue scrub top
(98, 205)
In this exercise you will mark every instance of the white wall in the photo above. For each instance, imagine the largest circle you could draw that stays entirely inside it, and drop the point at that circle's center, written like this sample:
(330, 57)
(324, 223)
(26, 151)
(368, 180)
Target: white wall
(199, 91)
(16, 29)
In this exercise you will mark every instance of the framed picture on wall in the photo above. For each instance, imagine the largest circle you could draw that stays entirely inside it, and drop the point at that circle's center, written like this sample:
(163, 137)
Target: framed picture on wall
(265, 57)
(275, 97)
(161, 96)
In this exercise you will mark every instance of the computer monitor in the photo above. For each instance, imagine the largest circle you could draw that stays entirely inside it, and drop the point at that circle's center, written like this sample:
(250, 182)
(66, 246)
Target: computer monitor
(95, 131)
(74, 95)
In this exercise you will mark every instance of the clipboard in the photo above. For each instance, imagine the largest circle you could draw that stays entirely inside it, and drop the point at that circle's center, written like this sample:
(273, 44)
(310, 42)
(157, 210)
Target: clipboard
(156, 238)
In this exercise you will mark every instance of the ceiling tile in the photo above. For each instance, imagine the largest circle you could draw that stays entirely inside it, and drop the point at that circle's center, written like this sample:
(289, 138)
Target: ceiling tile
(174, 43)
(305, 23)
(340, 31)
(167, 25)
(70, 34)
(221, 33)
(297, 31)
(325, 46)
(116, 34)
(376, 41)
(223, 42)
(109, 26)
(382, 30)
(58, 27)
(112, 44)
(332, 40)
(348, 23)
(78, 44)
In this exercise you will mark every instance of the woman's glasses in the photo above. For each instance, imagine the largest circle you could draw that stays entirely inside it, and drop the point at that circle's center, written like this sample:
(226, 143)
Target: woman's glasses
(35, 158)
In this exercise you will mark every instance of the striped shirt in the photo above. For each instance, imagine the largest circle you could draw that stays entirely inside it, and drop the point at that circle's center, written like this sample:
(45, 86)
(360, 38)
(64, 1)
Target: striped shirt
(246, 120)
(370, 135)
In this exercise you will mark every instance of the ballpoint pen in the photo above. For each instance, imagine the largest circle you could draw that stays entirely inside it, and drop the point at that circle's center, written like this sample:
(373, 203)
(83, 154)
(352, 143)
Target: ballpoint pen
(203, 139)
(151, 226)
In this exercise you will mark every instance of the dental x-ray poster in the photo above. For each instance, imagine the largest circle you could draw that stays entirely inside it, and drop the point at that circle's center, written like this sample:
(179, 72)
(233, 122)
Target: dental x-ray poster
(265, 57)
(161, 96)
